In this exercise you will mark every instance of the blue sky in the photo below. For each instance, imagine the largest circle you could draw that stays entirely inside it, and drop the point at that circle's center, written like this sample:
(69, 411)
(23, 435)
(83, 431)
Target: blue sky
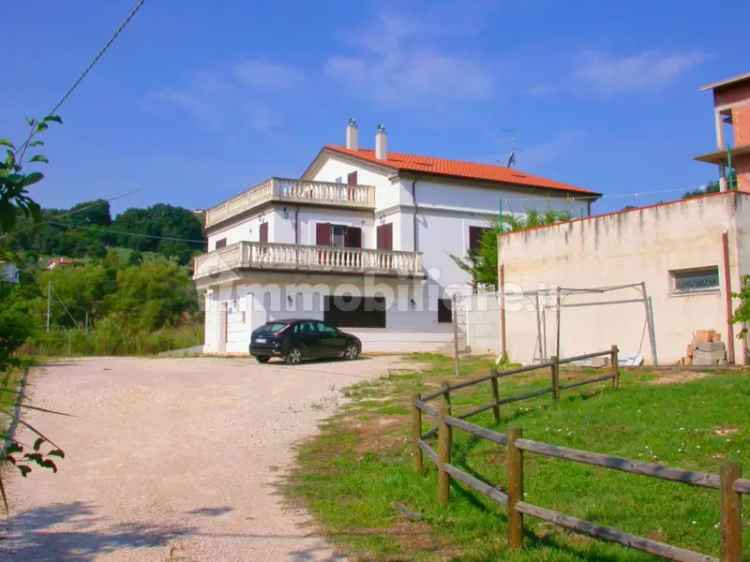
(196, 101)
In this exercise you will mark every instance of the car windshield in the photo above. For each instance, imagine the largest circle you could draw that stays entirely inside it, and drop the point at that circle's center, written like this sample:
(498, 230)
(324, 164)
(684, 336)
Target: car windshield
(271, 329)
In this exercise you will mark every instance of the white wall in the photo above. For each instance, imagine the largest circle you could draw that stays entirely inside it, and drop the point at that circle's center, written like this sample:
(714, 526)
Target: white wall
(472, 197)
(629, 247)
(248, 229)
(257, 297)
(387, 194)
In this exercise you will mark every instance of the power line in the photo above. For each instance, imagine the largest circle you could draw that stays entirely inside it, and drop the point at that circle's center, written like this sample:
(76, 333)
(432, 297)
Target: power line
(98, 56)
(125, 233)
(85, 72)
(69, 213)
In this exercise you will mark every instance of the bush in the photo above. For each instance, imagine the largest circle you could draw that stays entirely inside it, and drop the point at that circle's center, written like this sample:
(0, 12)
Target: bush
(109, 338)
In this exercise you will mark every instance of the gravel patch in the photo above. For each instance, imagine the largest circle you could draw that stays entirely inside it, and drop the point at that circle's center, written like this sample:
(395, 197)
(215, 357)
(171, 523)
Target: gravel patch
(173, 460)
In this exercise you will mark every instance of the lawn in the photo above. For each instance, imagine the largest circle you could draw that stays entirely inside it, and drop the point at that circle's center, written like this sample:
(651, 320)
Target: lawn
(357, 476)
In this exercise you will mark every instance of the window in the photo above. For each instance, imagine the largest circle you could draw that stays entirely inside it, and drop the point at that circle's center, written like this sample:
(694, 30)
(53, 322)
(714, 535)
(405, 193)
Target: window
(221, 243)
(338, 236)
(326, 330)
(695, 280)
(351, 179)
(445, 310)
(475, 238)
(355, 312)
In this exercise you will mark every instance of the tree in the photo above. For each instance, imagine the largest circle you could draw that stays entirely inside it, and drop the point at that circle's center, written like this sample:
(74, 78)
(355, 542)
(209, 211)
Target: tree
(15, 323)
(15, 182)
(712, 187)
(170, 231)
(482, 264)
(156, 294)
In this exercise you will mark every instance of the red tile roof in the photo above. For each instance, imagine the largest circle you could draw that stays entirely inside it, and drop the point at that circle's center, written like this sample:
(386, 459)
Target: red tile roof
(459, 169)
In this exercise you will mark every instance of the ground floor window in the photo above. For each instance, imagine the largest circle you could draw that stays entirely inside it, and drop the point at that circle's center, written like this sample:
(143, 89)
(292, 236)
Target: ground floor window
(445, 310)
(355, 312)
(695, 280)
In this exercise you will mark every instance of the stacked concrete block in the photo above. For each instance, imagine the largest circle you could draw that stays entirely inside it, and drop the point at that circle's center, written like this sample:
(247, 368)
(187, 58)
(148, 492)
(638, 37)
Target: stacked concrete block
(706, 349)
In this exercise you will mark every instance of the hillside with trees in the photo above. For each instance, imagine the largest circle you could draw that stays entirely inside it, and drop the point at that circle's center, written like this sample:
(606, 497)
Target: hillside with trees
(87, 230)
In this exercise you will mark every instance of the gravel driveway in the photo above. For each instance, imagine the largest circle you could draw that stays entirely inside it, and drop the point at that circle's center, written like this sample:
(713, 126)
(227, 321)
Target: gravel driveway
(172, 460)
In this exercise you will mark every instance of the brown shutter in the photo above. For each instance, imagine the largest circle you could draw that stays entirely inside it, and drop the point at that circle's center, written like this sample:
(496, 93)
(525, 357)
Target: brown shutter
(385, 236)
(264, 232)
(351, 179)
(323, 234)
(353, 237)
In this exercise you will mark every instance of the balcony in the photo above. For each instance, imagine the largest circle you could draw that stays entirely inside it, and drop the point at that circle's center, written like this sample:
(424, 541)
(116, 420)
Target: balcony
(299, 192)
(321, 259)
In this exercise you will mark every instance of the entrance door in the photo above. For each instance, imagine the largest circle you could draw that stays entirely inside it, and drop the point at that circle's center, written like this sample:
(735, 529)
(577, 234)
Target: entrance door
(385, 236)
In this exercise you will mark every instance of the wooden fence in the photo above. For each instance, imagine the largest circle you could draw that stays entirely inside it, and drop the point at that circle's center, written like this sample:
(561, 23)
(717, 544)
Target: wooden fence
(728, 482)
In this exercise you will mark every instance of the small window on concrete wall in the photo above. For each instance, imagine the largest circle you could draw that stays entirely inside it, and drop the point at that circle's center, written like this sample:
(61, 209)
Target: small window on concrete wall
(221, 243)
(695, 280)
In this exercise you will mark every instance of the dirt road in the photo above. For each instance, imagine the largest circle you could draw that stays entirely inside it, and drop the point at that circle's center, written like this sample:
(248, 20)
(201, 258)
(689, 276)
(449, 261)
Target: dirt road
(172, 460)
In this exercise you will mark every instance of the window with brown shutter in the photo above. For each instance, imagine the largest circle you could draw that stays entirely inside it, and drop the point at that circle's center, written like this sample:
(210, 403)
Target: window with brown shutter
(264, 232)
(385, 237)
(323, 234)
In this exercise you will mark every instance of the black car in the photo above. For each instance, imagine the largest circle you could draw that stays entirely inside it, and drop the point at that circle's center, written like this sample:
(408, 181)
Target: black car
(297, 340)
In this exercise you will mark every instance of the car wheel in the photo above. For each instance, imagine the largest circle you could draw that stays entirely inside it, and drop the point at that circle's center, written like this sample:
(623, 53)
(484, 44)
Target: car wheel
(293, 356)
(352, 351)
(262, 358)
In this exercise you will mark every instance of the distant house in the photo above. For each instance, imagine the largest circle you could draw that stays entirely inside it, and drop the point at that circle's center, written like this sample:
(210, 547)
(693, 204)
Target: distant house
(732, 124)
(9, 272)
(363, 240)
(55, 263)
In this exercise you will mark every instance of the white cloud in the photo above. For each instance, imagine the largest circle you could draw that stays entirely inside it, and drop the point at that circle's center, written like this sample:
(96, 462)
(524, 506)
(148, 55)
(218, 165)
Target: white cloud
(397, 65)
(236, 95)
(650, 70)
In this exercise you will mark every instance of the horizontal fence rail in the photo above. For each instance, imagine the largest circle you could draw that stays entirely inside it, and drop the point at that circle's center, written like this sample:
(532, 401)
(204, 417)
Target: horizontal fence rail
(729, 482)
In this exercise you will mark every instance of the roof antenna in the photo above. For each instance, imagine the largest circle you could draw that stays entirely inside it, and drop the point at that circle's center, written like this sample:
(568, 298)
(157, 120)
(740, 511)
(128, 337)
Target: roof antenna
(509, 135)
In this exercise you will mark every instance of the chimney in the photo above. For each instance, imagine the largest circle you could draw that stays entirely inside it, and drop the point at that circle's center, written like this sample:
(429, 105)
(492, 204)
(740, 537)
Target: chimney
(381, 143)
(352, 135)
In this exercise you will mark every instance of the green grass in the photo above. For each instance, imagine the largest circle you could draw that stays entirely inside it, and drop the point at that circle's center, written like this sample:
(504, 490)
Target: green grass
(357, 476)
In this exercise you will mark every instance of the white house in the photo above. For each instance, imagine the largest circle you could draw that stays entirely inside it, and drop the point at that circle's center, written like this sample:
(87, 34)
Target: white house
(363, 239)
(8, 272)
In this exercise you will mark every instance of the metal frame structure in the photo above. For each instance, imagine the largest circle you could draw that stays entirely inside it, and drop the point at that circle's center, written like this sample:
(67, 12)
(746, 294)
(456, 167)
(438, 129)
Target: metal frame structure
(560, 293)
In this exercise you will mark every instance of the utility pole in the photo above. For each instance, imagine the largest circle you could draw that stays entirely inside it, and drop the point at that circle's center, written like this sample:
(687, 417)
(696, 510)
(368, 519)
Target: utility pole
(49, 301)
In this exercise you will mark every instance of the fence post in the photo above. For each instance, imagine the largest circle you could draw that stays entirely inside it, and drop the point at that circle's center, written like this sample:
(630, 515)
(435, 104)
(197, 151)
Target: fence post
(515, 488)
(495, 395)
(454, 319)
(555, 378)
(731, 514)
(416, 432)
(447, 396)
(614, 359)
(444, 455)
